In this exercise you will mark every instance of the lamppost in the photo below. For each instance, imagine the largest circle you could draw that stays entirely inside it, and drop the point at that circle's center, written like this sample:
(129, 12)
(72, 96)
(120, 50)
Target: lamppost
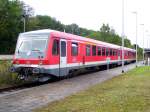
(143, 41)
(24, 22)
(24, 15)
(122, 36)
(136, 35)
(148, 47)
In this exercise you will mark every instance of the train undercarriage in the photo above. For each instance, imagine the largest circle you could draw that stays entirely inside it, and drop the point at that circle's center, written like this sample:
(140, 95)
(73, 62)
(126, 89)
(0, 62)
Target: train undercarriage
(40, 75)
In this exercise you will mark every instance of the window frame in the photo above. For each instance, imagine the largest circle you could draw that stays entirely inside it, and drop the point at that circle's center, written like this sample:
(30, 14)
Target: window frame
(58, 47)
(93, 50)
(107, 51)
(119, 54)
(114, 52)
(103, 51)
(110, 52)
(62, 53)
(73, 53)
(89, 48)
(99, 49)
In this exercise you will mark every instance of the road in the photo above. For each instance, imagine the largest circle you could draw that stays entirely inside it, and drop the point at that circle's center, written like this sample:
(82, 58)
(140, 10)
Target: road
(28, 99)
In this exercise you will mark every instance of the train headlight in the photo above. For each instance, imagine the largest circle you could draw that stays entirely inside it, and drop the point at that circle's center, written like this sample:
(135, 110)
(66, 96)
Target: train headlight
(40, 62)
(17, 62)
(27, 62)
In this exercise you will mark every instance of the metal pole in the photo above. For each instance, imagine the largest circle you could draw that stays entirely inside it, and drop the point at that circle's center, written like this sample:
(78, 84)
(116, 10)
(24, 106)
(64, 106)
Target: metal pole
(122, 36)
(143, 48)
(24, 21)
(147, 43)
(143, 42)
(136, 38)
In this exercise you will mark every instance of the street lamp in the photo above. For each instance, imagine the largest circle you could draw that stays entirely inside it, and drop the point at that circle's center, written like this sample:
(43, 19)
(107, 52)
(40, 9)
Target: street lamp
(24, 23)
(147, 34)
(122, 36)
(148, 47)
(143, 41)
(136, 35)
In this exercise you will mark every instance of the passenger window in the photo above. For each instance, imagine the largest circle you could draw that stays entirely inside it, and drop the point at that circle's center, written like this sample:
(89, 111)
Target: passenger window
(93, 50)
(99, 51)
(107, 52)
(103, 51)
(127, 53)
(87, 50)
(74, 49)
(119, 53)
(124, 53)
(55, 48)
(114, 52)
(110, 52)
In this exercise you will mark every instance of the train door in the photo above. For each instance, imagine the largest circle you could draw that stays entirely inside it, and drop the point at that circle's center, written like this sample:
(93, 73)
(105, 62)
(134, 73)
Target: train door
(63, 57)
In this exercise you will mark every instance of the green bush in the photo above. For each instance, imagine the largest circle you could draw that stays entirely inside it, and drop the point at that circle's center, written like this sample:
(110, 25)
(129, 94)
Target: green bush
(6, 77)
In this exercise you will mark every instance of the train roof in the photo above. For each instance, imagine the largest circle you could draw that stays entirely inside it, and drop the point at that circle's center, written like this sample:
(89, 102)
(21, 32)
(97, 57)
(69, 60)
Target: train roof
(75, 37)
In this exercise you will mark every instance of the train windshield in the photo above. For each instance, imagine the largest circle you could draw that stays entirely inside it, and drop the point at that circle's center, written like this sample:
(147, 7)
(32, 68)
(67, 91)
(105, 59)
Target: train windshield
(31, 46)
(38, 45)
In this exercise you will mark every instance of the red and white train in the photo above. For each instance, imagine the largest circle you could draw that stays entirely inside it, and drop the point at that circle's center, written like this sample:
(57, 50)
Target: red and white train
(45, 53)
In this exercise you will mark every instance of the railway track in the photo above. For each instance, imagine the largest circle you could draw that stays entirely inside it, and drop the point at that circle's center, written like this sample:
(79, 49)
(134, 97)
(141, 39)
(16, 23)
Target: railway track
(23, 86)
(34, 84)
(17, 87)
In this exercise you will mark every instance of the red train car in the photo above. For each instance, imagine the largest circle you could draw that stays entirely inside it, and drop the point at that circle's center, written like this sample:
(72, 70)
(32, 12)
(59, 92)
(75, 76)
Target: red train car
(45, 53)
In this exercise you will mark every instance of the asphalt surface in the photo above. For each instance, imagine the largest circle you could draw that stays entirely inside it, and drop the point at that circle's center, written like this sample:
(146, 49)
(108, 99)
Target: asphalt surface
(28, 99)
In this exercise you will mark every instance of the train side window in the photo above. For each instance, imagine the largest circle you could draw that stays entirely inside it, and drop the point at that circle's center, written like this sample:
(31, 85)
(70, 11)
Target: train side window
(124, 53)
(93, 50)
(114, 52)
(99, 51)
(118, 52)
(103, 51)
(55, 48)
(88, 50)
(74, 49)
(107, 52)
(110, 52)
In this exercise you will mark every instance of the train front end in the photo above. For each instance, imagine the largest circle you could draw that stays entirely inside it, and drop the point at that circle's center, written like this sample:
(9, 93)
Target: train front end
(31, 55)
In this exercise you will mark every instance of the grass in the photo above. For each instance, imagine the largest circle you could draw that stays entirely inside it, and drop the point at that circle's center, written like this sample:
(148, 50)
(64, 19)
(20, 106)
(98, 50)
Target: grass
(7, 79)
(129, 92)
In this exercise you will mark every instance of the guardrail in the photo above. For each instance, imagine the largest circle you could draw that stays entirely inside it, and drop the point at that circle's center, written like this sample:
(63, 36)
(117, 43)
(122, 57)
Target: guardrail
(6, 57)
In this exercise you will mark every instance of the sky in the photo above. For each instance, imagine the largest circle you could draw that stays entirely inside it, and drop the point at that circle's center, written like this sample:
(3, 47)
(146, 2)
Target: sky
(91, 14)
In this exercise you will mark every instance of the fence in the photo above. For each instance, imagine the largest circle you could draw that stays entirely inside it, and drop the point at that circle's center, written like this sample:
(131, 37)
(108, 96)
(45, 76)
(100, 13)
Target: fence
(6, 57)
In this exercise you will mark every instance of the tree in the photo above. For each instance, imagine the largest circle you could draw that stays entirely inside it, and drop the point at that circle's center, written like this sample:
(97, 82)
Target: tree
(105, 28)
(10, 24)
(44, 22)
(72, 28)
(13, 11)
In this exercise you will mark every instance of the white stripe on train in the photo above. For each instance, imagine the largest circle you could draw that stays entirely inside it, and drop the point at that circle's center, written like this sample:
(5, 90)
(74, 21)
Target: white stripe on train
(70, 64)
